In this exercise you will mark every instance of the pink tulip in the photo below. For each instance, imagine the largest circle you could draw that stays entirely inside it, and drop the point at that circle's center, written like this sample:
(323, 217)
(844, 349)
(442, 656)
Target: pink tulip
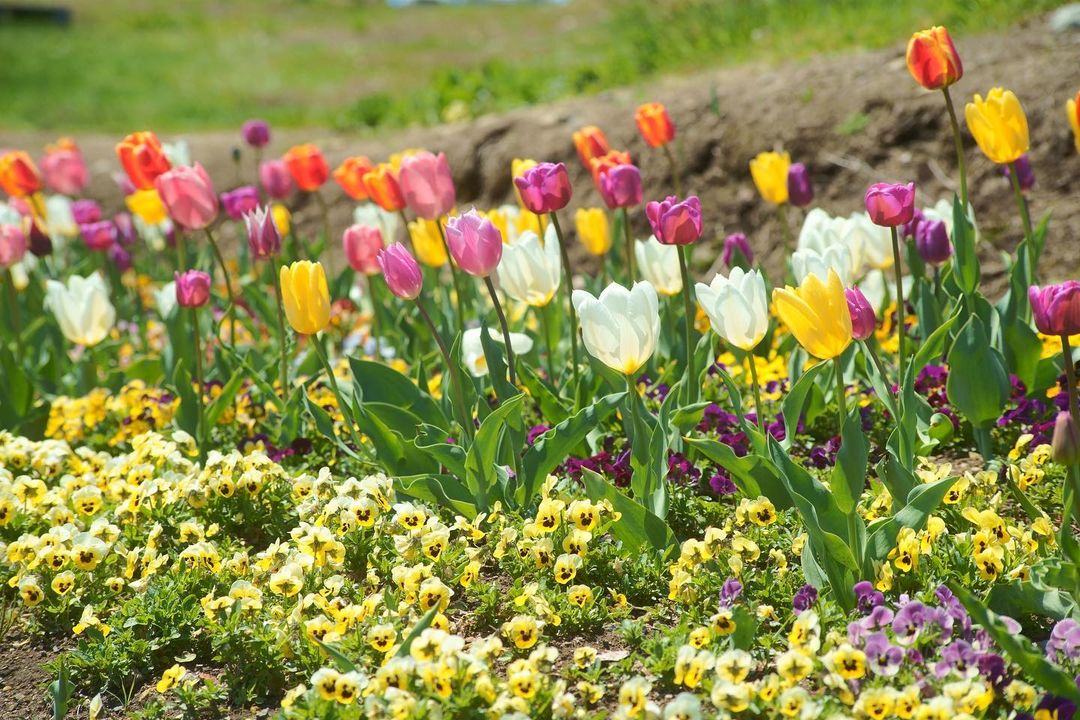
(401, 272)
(674, 222)
(890, 205)
(85, 211)
(544, 188)
(475, 243)
(1056, 308)
(362, 245)
(64, 170)
(620, 186)
(242, 200)
(12, 245)
(189, 196)
(264, 240)
(427, 185)
(192, 288)
(863, 319)
(99, 236)
(275, 178)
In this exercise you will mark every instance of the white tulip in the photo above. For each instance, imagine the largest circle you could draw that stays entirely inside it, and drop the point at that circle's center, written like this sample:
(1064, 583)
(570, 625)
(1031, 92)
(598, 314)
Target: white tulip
(875, 241)
(821, 231)
(529, 270)
(372, 215)
(620, 328)
(60, 220)
(811, 262)
(165, 299)
(178, 153)
(472, 348)
(737, 306)
(943, 210)
(82, 308)
(659, 265)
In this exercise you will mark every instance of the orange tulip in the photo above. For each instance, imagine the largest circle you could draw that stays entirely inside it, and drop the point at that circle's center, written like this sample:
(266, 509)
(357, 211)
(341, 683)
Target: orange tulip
(143, 159)
(654, 124)
(599, 165)
(932, 59)
(307, 166)
(18, 175)
(350, 176)
(1073, 108)
(590, 142)
(383, 189)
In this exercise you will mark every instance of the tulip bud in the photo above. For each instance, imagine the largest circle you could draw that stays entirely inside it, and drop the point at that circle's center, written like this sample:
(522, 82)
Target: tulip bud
(737, 252)
(475, 243)
(240, 201)
(85, 211)
(863, 318)
(932, 242)
(98, 236)
(674, 222)
(264, 238)
(800, 191)
(590, 142)
(189, 196)
(932, 59)
(275, 179)
(192, 288)
(1066, 442)
(256, 133)
(120, 257)
(40, 244)
(401, 272)
(620, 186)
(1072, 108)
(544, 188)
(1025, 176)
(1056, 308)
(12, 245)
(890, 205)
(362, 244)
(350, 176)
(769, 171)
(427, 185)
(307, 166)
(654, 124)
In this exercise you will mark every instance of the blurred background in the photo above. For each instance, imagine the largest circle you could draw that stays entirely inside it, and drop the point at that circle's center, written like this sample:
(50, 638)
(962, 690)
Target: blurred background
(114, 65)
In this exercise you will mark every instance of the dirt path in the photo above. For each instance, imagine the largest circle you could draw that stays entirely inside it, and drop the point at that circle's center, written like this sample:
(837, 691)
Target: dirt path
(727, 116)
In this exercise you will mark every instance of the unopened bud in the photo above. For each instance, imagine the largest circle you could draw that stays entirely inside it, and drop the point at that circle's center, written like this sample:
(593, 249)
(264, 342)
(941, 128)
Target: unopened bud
(1066, 443)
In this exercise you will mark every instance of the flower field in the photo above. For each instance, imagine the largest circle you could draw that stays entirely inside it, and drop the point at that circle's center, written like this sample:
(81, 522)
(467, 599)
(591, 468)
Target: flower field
(528, 461)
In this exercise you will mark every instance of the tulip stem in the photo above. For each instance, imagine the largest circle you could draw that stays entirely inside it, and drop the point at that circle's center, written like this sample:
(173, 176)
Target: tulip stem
(283, 342)
(454, 273)
(889, 400)
(568, 281)
(181, 254)
(1025, 217)
(455, 375)
(320, 350)
(1070, 377)
(958, 141)
(505, 329)
(372, 285)
(231, 311)
(545, 327)
(13, 303)
(201, 431)
(841, 400)
(757, 391)
(629, 236)
(688, 311)
(900, 309)
(675, 177)
(324, 210)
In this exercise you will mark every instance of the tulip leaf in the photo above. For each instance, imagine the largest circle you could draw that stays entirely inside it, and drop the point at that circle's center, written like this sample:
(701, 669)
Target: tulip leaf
(931, 348)
(896, 478)
(187, 416)
(1022, 350)
(222, 402)
(919, 504)
(445, 490)
(1030, 598)
(797, 400)
(381, 383)
(965, 260)
(432, 441)
(849, 473)
(978, 384)
(496, 364)
(637, 528)
(423, 624)
(480, 474)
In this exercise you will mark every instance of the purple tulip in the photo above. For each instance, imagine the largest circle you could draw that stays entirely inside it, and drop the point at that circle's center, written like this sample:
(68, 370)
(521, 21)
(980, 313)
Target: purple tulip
(263, 237)
(240, 201)
(800, 190)
(125, 229)
(85, 211)
(40, 244)
(1024, 174)
(275, 178)
(890, 205)
(674, 222)
(475, 243)
(256, 133)
(620, 186)
(863, 318)
(910, 229)
(401, 271)
(120, 257)
(192, 288)
(544, 188)
(932, 242)
(99, 236)
(1056, 308)
(737, 243)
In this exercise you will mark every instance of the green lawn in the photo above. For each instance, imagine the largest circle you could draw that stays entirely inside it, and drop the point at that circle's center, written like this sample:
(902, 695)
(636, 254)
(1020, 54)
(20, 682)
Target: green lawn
(206, 64)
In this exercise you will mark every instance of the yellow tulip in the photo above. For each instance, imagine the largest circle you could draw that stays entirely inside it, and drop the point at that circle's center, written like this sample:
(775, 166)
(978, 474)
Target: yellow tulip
(817, 315)
(999, 126)
(147, 205)
(305, 296)
(427, 243)
(282, 218)
(770, 173)
(518, 166)
(592, 230)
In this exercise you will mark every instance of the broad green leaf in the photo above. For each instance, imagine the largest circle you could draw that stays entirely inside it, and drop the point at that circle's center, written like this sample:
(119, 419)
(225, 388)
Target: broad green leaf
(849, 472)
(381, 383)
(922, 501)
(480, 475)
(637, 528)
(797, 400)
(753, 474)
(445, 490)
(978, 384)
(222, 402)
(419, 627)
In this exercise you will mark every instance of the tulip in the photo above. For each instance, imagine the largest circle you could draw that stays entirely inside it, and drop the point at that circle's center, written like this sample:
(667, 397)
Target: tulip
(143, 158)
(120, 257)
(999, 126)
(63, 168)
(621, 327)
(1056, 308)
(800, 191)
(126, 234)
(1066, 441)
(85, 211)
(39, 243)
(362, 244)
(99, 236)
(475, 243)
(399, 269)
(188, 196)
(240, 201)
(305, 295)
(620, 186)
(737, 252)
(12, 245)
(770, 173)
(590, 142)
(544, 188)
(382, 187)
(350, 176)
(192, 288)
(427, 242)
(82, 308)
(530, 270)
(427, 185)
(59, 221)
(275, 178)
(599, 165)
(518, 167)
(1072, 108)
(870, 244)
(263, 236)
(256, 133)
(890, 205)
(593, 231)
(282, 218)
(675, 222)
(737, 307)
(834, 258)
(1025, 176)
(472, 349)
(654, 124)
(863, 318)
(659, 265)
(910, 229)
(307, 166)
(816, 314)
(932, 59)
(932, 242)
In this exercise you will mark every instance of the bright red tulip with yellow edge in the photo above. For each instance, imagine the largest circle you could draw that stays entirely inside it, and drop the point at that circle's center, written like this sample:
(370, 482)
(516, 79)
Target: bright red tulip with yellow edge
(654, 124)
(143, 158)
(19, 177)
(932, 59)
(308, 166)
(383, 189)
(350, 176)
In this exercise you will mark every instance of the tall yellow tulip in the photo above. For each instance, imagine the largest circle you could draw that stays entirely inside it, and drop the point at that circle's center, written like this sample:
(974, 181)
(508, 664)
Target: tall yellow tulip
(427, 244)
(770, 173)
(592, 230)
(998, 125)
(817, 315)
(305, 296)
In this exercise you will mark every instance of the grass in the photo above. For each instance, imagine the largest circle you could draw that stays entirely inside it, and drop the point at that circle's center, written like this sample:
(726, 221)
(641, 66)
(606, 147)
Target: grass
(357, 63)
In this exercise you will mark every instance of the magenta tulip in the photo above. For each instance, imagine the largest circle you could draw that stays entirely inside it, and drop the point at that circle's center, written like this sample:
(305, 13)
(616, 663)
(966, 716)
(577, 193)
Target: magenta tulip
(263, 237)
(120, 257)
(1056, 308)
(85, 211)
(275, 178)
(1024, 174)
(932, 242)
(240, 201)
(737, 243)
(890, 205)
(675, 222)
(544, 188)
(12, 245)
(188, 196)
(475, 243)
(800, 190)
(192, 288)
(620, 186)
(401, 271)
(427, 185)
(362, 245)
(863, 318)
(256, 133)
(99, 236)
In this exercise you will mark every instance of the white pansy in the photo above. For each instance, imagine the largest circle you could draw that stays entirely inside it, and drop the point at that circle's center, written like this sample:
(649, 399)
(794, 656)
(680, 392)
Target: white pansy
(737, 306)
(82, 308)
(529, 270)
(472, 348)
(620, 328)
(659, 265)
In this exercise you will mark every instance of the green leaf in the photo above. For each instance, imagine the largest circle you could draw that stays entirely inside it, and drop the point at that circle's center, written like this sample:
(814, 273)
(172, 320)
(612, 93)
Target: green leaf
(932, 347)
(753, 474)
(187, 415)
(431, 440)
(966, 260)
(221, 403)
(978, 384)
(381, 383)
(922, 501)
(344, 664)
(551, 406)
(1022, 350)
(849, 472)
(445, 490)
(797, 399)
(480, 475)
(637, 528)
(496, 363)
(1028, 598)
(896, 478)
